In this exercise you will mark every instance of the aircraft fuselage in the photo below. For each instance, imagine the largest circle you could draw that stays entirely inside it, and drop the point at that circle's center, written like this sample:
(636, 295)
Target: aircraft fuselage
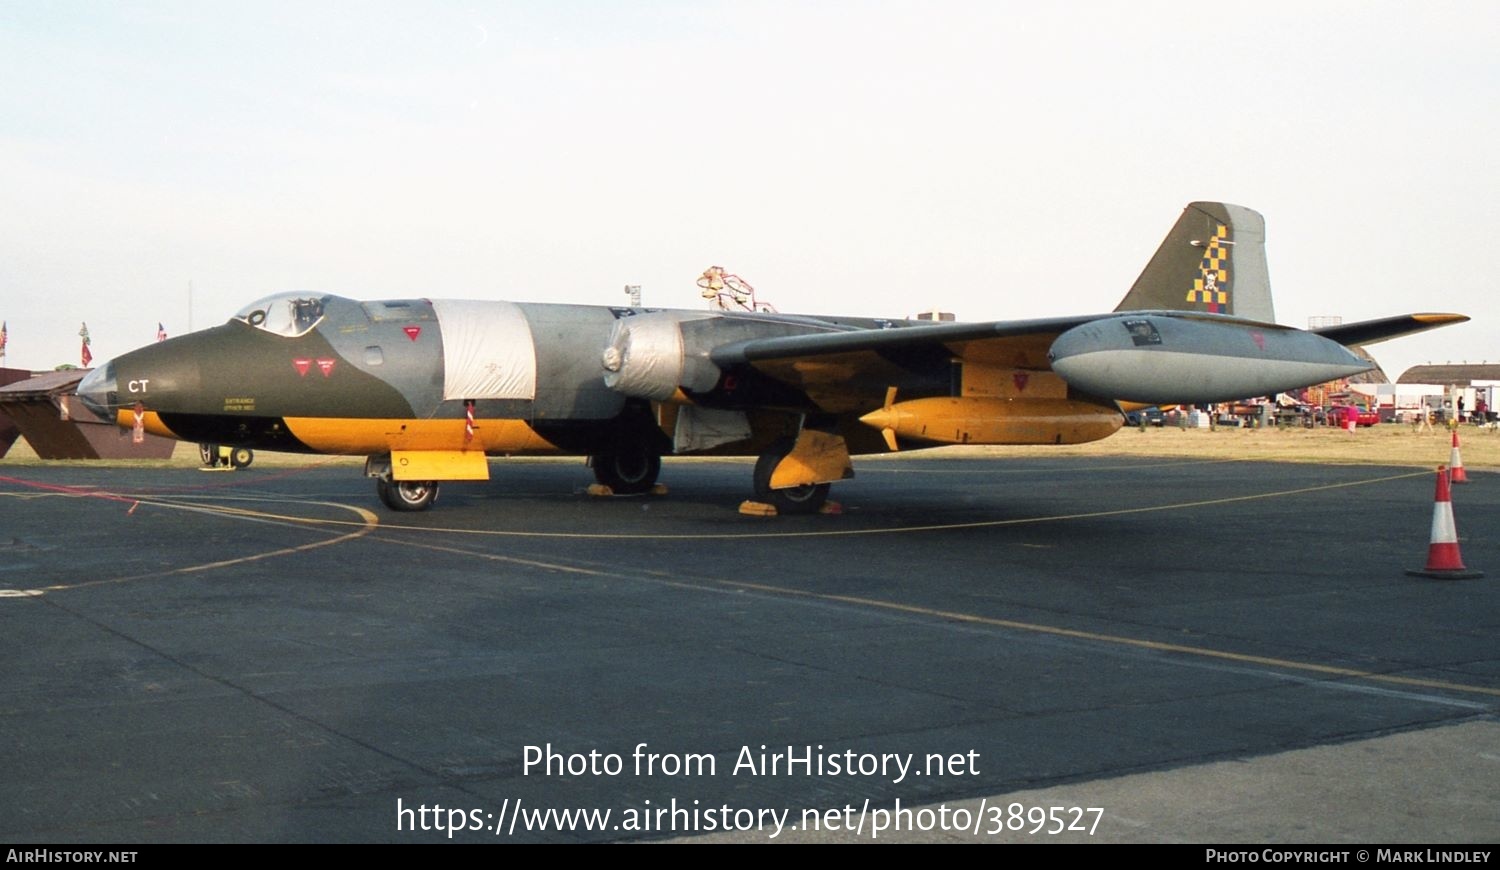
(427, 389)
(367, 378)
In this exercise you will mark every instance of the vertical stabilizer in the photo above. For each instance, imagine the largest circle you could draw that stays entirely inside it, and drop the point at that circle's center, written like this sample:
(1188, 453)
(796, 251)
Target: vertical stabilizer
(1213, 260)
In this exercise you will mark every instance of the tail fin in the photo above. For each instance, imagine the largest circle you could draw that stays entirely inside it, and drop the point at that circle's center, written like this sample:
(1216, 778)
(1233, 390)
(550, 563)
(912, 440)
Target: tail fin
(1213, 260)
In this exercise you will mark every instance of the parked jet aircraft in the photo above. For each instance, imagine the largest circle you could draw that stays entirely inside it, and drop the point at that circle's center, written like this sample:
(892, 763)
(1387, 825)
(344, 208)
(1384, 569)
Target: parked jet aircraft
(427, 389)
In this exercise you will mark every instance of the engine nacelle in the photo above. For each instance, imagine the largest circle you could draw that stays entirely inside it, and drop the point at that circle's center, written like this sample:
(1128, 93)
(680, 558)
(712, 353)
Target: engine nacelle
(1157, 359)
(647, 357)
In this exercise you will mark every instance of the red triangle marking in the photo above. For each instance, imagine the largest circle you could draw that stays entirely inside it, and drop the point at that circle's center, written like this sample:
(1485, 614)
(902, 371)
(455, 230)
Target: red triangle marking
(1020, 379)
(303, 364)
(412, 331)
(326, 365)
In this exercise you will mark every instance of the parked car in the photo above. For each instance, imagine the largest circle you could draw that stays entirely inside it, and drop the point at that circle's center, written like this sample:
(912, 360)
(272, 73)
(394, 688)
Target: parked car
(1339, 415)
(1146, 417)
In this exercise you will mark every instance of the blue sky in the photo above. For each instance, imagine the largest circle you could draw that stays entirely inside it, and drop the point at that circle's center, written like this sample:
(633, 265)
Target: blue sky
(997, 160)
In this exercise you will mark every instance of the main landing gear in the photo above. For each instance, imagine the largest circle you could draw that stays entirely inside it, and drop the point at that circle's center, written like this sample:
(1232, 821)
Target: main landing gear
(627, 472)
(806, 498)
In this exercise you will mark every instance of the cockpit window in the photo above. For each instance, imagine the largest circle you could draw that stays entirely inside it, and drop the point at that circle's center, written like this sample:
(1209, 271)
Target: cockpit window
(288, 314)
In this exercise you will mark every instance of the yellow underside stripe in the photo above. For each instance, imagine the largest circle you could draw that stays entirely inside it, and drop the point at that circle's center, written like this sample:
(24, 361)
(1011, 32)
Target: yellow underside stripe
(355, 437)
(362, 437)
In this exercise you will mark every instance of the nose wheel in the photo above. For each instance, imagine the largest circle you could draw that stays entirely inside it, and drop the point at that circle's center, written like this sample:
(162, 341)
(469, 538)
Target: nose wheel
(407, 495)
(214, 455)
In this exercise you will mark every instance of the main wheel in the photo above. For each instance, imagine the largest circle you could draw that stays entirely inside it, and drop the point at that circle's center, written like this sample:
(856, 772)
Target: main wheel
(804, 499)
(627, 473)
(407, 495)
(240, 457)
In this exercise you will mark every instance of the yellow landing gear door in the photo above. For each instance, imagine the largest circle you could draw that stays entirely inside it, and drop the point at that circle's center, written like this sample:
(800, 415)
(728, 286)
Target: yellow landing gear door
(439, 465)
(817, 457)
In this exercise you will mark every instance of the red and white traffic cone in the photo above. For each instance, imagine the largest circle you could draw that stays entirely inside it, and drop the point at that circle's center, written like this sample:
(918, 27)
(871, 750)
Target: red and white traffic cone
(1443, 559)
(1456, 464)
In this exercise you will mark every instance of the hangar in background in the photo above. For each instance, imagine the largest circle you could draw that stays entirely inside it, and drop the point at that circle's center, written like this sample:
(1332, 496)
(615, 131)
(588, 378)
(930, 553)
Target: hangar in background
(1459, 374)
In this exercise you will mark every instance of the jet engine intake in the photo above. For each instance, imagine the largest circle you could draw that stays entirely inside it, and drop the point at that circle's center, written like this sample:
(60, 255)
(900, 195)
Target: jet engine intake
(648, 358)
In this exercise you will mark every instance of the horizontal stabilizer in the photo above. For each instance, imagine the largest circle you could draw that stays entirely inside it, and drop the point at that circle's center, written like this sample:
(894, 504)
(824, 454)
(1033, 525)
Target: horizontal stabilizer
(1372, 331)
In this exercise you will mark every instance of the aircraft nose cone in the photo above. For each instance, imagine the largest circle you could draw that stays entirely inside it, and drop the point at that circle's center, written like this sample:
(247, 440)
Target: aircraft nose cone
(98, 391)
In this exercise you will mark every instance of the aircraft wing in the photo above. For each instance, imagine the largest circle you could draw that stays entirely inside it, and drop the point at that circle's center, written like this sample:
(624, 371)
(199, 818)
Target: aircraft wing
(1146, 356)
(851, 370)
(1151, 357)
(952, 335)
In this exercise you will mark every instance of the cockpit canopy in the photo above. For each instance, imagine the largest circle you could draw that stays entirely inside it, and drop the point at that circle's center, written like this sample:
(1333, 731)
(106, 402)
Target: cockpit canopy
(285, 314)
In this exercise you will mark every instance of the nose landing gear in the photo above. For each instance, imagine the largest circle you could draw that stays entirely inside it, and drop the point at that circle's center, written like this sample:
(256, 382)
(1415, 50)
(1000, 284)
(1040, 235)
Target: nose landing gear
(220, 455)
(407, 495)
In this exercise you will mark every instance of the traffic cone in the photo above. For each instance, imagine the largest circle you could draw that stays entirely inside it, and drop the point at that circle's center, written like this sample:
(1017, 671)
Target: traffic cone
(1443, 559)
(1456, 464)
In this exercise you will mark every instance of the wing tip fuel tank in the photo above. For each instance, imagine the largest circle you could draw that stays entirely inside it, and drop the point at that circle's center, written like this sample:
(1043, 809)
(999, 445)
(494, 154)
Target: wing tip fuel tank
(1163, 359)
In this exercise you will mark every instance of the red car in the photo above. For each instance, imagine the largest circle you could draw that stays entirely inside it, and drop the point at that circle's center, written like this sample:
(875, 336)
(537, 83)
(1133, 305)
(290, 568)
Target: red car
(1339, 415)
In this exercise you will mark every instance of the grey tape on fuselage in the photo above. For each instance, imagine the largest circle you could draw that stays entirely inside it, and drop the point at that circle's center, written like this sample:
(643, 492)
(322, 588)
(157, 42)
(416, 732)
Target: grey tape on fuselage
(488, 352)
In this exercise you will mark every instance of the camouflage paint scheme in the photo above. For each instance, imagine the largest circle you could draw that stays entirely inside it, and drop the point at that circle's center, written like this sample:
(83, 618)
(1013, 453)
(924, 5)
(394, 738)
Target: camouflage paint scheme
(626, 386)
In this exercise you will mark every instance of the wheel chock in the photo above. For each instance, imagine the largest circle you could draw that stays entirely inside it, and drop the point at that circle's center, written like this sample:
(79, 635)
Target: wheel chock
(757, 509)
(602, 490)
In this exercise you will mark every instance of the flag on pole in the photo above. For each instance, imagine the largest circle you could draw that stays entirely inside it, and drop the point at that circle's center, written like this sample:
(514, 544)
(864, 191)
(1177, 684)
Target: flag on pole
(85, 354)
(4, 336)
(161, 332)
